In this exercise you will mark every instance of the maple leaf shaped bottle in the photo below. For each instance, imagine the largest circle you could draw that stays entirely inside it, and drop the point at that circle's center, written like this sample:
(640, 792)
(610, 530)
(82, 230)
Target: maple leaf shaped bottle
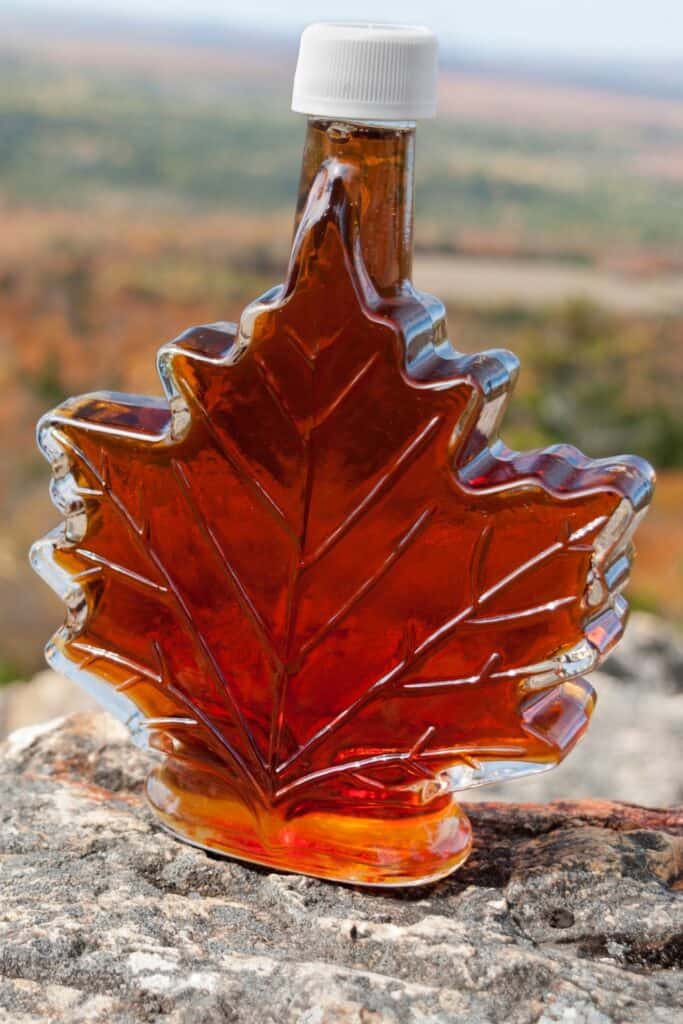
(311, 579)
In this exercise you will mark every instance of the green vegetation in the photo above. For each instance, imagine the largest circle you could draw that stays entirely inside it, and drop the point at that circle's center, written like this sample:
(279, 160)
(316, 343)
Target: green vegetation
(9, 671)
(605, 383)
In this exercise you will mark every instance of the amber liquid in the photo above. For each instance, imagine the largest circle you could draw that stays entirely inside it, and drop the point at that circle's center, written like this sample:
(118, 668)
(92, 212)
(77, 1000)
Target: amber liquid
(316, 574)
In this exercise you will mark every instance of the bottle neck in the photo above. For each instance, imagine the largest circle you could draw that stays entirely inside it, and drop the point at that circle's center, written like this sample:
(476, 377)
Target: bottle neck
(384, 157)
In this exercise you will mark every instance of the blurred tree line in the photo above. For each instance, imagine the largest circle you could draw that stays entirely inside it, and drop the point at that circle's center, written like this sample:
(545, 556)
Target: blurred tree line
(605, 383)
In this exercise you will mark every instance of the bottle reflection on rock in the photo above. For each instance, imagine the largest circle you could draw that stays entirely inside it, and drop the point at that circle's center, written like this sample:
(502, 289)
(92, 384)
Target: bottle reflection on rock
(312, 579)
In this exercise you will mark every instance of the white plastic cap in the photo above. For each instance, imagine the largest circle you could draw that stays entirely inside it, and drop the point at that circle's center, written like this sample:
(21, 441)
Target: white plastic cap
(366, 72)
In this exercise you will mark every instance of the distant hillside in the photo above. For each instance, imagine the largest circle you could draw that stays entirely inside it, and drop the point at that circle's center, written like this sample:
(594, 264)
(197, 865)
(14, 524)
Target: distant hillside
(522, 159)
(663, 79)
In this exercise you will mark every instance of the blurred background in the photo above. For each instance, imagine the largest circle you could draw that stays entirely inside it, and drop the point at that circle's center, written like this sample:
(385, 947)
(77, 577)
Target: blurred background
(148, 171)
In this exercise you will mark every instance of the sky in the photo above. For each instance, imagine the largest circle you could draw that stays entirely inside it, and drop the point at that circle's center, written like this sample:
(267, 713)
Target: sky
(619, 29)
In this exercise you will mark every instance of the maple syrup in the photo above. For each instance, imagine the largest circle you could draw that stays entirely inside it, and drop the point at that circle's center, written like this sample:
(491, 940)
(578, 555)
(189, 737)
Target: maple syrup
(311, 578)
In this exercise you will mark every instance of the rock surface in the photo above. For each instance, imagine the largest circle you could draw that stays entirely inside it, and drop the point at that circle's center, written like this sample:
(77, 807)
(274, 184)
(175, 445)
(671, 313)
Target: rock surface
(565, 914)
(48, 695)
(632, 751)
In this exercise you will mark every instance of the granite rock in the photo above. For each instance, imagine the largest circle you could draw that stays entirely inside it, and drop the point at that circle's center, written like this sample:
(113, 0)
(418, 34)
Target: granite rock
(569, 912)
(631, 751)
(47, 695)
(650, 655)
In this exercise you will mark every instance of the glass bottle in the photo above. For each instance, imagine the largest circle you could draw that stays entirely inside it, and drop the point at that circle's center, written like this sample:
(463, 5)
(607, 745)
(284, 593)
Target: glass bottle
(312, 579)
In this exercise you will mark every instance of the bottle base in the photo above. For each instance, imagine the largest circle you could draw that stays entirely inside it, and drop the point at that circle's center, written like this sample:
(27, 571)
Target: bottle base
(349, 848)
